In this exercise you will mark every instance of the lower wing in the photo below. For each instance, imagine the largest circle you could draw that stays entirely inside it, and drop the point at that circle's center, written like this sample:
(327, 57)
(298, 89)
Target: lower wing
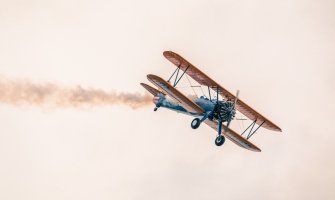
(234, 137)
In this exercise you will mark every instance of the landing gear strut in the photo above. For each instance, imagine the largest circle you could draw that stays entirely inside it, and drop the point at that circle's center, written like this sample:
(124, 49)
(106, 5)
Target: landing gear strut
(196, 122)
(220, 139)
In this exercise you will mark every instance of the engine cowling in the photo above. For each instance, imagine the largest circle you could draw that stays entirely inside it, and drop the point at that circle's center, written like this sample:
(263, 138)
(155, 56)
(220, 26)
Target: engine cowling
(224, 110)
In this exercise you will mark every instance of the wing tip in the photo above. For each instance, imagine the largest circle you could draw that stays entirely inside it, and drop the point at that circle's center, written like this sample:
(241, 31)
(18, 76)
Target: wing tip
(170, 54)
(151, 77)
(278, 129)
(152, 90)
(165, 53)
(146, 86)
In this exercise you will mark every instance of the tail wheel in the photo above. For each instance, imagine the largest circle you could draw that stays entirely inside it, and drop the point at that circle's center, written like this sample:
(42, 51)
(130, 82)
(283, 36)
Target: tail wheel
(219, 140)
(195, 123)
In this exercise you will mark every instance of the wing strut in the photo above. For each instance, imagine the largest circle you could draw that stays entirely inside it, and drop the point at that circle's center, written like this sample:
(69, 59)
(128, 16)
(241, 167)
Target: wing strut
(177, 79)
(177, 69)
(251, 132)
(209, 94)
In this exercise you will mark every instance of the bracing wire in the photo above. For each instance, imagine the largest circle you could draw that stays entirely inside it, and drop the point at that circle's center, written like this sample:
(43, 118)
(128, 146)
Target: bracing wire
(191, 85)
(241, 124)
(203, 93)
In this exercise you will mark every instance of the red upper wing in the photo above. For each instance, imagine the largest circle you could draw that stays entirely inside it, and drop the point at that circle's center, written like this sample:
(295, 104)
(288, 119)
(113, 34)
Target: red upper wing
(203, 79)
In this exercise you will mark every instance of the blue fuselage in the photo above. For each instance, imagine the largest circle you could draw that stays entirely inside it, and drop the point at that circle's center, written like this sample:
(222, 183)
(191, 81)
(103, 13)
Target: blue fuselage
(203, 102)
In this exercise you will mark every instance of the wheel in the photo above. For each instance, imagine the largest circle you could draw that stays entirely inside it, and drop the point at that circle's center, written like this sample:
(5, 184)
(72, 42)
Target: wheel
(195, 123)
(219, 140)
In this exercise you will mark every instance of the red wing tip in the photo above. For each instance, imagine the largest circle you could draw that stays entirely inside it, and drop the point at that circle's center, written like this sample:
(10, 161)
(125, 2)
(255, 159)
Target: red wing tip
(278, 129)
(145, 85)
(167, 54)
(255, 148)
(149, 76)
(152, 77)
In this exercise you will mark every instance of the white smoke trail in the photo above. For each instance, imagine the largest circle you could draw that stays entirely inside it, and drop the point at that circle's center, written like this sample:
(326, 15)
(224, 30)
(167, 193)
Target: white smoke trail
(24, 92)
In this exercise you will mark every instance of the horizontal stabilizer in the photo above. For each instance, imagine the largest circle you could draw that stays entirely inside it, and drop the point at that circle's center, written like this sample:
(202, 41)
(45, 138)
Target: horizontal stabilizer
(152, 90)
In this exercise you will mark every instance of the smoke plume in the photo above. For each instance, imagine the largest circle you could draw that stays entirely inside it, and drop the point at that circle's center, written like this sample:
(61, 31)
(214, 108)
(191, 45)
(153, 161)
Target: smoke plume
(24, 92)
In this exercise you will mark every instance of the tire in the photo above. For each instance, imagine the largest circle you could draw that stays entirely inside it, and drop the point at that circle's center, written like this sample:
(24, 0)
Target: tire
(195, 123)
(219, 140)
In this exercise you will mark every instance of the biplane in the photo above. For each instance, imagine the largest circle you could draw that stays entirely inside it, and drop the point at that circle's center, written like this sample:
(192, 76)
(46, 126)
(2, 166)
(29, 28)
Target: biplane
(218, 113)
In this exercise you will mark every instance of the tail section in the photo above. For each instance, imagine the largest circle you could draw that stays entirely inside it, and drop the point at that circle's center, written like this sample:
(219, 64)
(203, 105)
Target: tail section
(158, 95)
(152, 90)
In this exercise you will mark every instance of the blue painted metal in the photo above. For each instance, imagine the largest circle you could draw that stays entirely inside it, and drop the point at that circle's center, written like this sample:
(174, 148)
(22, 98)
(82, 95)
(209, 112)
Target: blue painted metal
(251, 132)
(249, 135)
(173, 73)
(219, 127)
(176, 82)
(203, 102)
(177, 79)
(252, 124)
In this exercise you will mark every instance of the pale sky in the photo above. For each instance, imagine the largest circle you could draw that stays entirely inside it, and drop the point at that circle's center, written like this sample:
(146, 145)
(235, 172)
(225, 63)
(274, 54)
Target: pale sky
(279, 54)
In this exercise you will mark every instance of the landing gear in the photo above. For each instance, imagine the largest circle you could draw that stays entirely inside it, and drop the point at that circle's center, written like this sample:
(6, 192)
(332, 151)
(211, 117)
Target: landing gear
(195, 123)
(219, 140)
(155, 109)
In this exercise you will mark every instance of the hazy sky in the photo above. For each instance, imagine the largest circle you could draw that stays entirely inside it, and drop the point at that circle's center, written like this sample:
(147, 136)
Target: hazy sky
(280, 54)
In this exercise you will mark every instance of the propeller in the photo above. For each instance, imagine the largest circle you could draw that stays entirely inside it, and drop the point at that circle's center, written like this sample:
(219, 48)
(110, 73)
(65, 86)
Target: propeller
(232, 108)
(224, 111)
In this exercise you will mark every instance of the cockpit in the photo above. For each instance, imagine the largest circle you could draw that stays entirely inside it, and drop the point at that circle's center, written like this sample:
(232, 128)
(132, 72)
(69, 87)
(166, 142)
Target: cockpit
(204, 97)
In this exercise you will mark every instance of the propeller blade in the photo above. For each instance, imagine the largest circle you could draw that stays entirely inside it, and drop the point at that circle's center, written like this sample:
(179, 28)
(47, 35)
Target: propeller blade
(237, 93)
(226, 128)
